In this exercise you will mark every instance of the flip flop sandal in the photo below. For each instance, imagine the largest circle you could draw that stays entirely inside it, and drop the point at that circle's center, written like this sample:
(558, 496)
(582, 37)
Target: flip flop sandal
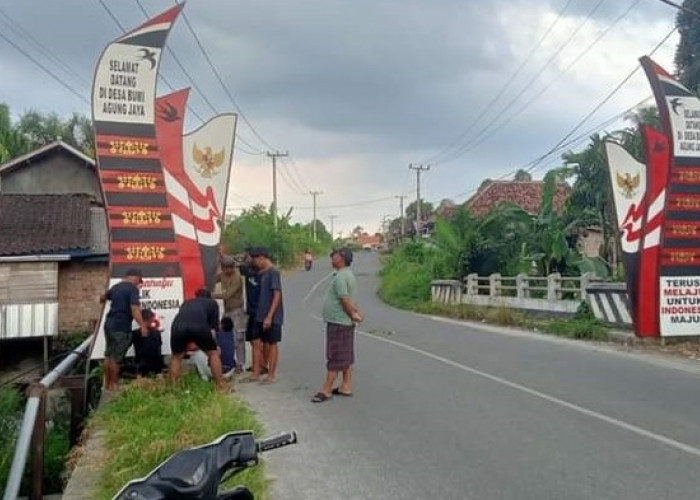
(319, 397)
(338, 392)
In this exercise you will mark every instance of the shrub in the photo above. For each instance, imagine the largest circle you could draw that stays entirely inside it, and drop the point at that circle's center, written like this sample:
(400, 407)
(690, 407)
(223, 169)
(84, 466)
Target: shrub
(10, 417)
(578, 329)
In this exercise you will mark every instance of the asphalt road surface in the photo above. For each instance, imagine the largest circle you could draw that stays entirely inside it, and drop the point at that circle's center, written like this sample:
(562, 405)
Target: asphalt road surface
(450, 411)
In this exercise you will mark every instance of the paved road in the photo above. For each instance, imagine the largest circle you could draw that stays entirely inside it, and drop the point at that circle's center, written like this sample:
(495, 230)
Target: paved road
(448, 411)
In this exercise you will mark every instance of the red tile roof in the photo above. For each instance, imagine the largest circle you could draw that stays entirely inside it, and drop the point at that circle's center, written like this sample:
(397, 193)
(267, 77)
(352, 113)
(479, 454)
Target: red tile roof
(526, 194)
(36, 224)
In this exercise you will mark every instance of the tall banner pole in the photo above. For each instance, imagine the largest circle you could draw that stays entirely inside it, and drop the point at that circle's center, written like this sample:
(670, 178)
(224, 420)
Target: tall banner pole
(679, 255)
(628, 178)
(658, 159)
(197, 169)
(141, 231)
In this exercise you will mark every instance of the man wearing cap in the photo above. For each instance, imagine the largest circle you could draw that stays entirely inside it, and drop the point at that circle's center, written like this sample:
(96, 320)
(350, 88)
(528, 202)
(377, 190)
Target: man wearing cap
(124, 309)
(269, 316)
(232, 295)
(252, 294)
(340, 312)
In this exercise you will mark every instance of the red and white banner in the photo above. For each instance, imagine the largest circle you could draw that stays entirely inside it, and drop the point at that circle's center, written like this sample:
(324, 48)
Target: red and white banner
(679, 253)
(658, 158)
(628, 178)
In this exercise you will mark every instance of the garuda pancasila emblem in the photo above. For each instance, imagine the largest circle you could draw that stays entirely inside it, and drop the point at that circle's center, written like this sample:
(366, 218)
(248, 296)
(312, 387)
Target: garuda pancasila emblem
(208, 162)
(628, 184)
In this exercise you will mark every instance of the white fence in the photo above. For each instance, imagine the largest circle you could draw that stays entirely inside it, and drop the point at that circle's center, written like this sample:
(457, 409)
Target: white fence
(553, 293)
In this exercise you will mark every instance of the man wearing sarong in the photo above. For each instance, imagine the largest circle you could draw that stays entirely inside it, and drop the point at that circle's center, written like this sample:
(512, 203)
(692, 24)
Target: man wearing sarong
(340, 313)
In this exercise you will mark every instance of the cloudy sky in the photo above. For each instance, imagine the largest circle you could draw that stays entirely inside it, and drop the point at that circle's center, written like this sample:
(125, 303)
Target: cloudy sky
(356, 91)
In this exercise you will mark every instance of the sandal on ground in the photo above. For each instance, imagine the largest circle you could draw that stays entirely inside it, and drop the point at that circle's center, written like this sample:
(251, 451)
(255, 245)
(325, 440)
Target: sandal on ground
(319, 397)
(248, 380)
(338, 392)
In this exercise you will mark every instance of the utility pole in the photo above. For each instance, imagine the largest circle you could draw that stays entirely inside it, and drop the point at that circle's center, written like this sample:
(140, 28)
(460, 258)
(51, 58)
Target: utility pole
(332, 218)
(315, 194)
(386, 226)
(403, 225)
(418, 167)
(274, 157)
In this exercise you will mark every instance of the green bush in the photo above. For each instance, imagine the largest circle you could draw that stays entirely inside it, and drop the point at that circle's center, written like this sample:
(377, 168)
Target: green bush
(56, 444)
(406, 276)
(11, 404)
(255, 227)
(584, 312)
(578, 329)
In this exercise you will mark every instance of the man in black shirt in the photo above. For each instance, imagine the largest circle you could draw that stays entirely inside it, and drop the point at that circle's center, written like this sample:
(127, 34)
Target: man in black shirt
(252, 297)
(269, 315)
(197, 321)
(123, 310)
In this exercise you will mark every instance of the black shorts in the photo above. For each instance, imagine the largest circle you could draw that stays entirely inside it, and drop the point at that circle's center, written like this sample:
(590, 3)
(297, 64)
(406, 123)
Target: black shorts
(181, 335)
(252, 332)
(271, 336)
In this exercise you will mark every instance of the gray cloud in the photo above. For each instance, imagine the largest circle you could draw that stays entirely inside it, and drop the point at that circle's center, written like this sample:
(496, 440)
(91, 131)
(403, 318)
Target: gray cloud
(381, 82)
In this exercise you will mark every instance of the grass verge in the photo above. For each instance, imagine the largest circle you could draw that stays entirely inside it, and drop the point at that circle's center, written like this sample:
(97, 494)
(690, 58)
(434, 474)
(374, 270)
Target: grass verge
(580, 327)
(153, 419)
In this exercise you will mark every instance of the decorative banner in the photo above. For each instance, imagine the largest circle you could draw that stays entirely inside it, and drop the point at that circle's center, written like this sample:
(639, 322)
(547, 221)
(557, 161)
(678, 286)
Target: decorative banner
(679, 273)
(197, 172)
(130, 171)
(629, 182)
(208, 154)
(170, 117)
(658, 159)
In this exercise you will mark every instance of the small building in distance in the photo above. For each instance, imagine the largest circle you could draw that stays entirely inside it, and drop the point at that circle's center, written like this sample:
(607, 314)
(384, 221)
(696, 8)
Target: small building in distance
(53, 243)
(526, 194)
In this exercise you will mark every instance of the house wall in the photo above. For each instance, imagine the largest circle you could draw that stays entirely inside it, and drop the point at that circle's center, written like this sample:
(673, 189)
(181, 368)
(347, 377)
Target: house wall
(80, 285)
(28, 299)
(591, 243)
(57, 173)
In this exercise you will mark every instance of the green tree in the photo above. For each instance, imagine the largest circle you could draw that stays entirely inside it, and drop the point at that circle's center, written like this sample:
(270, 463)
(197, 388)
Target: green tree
(687, 58)
(255, 227)
(12, 144)
(591, 200)
(34, 129)
(522, 176)
(40, 129)
(426, 209)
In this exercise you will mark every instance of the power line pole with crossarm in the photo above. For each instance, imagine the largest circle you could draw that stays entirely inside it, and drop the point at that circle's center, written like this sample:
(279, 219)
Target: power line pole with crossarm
(332, 218)
(274, 157)
(418, 168)
(403, 219)
(315, 194)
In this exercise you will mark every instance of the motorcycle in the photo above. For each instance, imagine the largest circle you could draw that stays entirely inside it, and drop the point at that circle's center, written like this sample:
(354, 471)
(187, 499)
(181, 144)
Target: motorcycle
(197, 473)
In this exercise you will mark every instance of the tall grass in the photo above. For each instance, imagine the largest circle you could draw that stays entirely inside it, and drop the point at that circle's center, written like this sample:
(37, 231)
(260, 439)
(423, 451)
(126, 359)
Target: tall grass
(404, 283)
(56, 442)
(10, 415)
(152, 420)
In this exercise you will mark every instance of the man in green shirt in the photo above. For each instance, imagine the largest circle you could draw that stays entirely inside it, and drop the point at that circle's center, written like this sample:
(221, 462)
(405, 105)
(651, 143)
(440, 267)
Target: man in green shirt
(340, 313)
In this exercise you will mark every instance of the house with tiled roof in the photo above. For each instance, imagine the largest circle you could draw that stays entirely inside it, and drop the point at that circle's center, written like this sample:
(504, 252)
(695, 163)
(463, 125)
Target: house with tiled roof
(526, 194)
(53, 243)
(367, 241)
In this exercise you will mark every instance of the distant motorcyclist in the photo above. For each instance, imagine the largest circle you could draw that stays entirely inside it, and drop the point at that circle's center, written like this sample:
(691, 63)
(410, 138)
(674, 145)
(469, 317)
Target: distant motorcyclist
(308, 259)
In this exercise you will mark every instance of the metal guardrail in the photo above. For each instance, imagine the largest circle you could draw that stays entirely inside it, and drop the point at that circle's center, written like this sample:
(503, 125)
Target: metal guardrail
(31, 433)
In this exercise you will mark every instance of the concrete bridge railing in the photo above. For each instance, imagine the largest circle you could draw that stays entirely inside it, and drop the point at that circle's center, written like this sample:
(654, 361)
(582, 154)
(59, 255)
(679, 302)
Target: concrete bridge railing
(554, 293)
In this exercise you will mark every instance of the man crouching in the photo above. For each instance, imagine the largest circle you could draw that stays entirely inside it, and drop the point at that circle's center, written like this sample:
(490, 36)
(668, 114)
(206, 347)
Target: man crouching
(197, 321)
